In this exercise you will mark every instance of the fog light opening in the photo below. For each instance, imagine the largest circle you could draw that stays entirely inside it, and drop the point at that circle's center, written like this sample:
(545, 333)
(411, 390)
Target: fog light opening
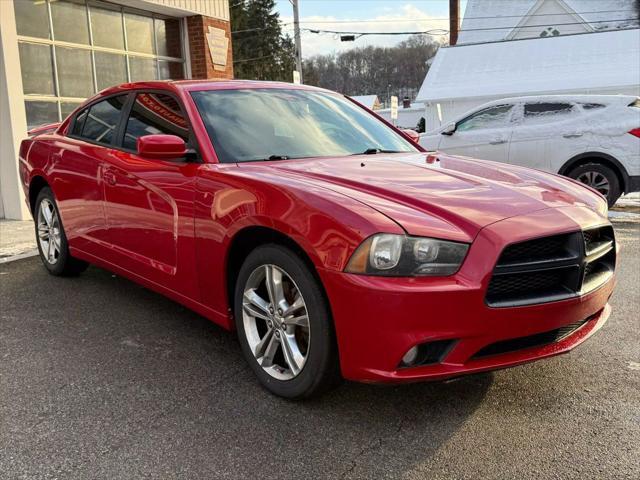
(410, 357)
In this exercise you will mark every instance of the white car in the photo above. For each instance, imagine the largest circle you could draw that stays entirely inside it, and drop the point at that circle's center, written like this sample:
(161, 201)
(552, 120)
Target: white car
(592, 138)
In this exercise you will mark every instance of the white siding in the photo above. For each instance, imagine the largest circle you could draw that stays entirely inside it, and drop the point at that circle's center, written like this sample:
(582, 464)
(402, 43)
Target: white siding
(210, 8)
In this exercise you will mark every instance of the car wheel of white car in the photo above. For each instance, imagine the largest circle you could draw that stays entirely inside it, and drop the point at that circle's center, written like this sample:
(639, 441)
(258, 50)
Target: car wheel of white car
(600, 178)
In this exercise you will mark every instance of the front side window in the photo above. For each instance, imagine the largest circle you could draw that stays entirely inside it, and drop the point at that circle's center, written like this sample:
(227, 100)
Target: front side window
(492, 117)
(154, 113)
(256, 124)
(545, 112)
(102, 120)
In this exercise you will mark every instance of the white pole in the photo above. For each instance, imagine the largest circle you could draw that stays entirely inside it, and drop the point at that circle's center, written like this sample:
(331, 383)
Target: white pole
(296, 28)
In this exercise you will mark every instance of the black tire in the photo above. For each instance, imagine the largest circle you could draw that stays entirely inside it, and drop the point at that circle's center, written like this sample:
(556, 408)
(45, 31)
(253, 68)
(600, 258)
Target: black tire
(321, 370)
(598, 169)
(64, 264)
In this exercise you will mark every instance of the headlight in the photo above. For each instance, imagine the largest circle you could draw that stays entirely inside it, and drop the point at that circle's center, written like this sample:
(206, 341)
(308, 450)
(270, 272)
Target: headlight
(402, 256)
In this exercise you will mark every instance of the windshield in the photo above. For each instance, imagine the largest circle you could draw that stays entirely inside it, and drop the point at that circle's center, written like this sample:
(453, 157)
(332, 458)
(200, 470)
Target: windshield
(262, 124)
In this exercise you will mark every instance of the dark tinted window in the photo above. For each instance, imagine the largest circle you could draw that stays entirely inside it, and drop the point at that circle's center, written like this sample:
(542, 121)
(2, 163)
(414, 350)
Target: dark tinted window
(533, 109)
(155, 113)
(591, 106)
(79, 122)
(103, 119)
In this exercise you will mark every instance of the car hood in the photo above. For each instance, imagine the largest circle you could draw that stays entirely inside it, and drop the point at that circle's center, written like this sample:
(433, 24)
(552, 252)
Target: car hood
(441, 195)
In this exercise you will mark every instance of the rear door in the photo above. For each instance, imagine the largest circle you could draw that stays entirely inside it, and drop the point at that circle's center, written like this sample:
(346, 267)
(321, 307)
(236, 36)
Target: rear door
(149, 202)
(547, 133)
(79, 160)
(484, 134)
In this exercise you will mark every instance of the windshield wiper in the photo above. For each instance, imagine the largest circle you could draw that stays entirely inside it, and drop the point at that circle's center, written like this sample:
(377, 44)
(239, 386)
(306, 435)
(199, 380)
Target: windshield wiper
(271, 157)
(373, 151)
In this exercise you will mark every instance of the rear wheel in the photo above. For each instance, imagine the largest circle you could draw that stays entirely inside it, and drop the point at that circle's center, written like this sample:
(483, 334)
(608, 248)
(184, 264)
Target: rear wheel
(52, 241)
(599, 177)
(284, 325)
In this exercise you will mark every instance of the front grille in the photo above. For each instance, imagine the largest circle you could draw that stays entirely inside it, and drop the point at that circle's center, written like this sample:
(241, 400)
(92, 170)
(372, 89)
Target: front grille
(552, 268)
(530, 341)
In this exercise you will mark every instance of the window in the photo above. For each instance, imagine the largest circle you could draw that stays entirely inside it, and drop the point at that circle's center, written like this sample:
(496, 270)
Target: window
(154, 113)
(540, 113)
(101, 120)
(591, 106)
(71, 49)
(492, 117)
(255, 124)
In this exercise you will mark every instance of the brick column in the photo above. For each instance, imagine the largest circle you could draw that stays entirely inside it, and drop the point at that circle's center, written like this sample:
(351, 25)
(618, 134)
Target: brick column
(201, 63)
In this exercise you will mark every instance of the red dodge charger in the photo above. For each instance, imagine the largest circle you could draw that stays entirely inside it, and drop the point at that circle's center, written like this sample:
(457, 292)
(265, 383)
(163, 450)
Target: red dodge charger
(333, 244)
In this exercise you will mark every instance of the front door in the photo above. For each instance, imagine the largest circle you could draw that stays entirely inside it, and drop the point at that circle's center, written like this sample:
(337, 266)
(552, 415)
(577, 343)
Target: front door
(149, 202)
(484, 134)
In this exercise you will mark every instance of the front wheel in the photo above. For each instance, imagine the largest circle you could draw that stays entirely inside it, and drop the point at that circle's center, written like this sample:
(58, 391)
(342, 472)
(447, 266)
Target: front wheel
(284, 325)
(599, 177)
(52, 241)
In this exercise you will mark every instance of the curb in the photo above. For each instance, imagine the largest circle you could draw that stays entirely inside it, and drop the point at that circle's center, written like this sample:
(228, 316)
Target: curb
(19, 256)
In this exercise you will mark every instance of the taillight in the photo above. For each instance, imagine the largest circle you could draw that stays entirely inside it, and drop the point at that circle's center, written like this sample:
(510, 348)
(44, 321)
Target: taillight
(635, 132)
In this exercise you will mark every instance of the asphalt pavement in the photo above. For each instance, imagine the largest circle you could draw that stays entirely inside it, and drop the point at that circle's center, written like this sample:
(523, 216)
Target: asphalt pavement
(100, 378)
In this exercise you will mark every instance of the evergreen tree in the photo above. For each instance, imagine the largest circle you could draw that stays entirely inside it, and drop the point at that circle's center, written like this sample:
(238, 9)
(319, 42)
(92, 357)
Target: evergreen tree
(260, 50)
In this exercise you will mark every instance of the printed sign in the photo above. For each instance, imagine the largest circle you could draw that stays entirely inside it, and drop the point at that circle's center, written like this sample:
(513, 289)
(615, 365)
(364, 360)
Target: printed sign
(218, 47)
(394, 107)
(296, 76)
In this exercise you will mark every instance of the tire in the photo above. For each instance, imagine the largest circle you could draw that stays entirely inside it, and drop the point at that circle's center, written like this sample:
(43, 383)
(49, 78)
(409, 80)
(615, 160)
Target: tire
(600, 177)
(48, 225)
(311, 345)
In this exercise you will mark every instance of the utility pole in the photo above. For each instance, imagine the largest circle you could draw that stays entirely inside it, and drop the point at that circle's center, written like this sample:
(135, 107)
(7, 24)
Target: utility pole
(296, 29)
(454, 21)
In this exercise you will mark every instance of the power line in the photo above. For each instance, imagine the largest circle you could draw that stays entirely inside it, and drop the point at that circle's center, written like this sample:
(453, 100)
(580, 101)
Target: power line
(443, 31)
(465, 18)
(254, 59)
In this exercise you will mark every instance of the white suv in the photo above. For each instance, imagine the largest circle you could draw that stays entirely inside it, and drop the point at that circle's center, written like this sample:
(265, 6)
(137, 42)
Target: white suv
(592, 138)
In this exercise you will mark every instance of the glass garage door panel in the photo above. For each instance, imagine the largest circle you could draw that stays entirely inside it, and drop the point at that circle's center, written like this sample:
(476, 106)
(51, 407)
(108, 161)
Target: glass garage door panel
(75, 75)
(70, 21)
(111, 69)
(139, 33)
(142, 69)
(40, 113)
(32, 18)
(106, 26)
(37, 69)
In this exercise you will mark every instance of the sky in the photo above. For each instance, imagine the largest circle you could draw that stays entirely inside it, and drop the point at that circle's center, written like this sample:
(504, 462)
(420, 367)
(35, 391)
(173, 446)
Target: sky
(363, 16)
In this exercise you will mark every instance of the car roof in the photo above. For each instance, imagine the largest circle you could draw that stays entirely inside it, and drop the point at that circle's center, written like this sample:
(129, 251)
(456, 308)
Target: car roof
(606, 99)
(207, 84)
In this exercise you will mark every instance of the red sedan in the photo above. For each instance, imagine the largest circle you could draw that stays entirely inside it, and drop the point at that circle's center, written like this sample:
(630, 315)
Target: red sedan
(333, 244)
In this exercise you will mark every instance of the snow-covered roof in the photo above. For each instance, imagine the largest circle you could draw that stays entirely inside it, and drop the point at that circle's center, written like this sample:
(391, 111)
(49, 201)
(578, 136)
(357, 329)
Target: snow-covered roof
(495, 20)
(369, 101)
(569, 63)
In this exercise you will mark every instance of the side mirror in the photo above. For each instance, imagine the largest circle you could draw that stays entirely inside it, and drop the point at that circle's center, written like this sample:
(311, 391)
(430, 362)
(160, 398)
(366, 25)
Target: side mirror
(412, 134)
(161, 147)
(449, 129)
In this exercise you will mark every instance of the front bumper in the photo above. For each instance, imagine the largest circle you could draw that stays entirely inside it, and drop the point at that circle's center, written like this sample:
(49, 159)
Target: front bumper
(378, 319)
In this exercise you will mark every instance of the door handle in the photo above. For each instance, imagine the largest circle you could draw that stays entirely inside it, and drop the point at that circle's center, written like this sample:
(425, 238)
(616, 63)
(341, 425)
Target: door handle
(497, 141)
(572, 135)
(109, 177)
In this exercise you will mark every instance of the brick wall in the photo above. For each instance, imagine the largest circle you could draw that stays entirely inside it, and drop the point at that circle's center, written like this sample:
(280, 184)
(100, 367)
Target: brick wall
(201, 64)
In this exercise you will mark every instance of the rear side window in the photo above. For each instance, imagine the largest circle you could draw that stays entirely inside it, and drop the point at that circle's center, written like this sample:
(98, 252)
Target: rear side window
(155, 113)
(492, 117)
(591, 106)
(540, 113)
(101, 120)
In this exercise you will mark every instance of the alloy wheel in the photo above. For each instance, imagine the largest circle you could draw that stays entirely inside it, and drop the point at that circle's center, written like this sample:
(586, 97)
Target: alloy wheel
(596, 180)
(49, 232)
(276, 322)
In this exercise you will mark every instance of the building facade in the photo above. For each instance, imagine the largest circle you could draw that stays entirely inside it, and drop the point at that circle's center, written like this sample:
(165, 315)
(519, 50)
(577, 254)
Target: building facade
(56, 53)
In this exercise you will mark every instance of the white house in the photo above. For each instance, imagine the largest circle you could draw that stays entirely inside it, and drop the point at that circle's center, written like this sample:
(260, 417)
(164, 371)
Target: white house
(534, 47)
